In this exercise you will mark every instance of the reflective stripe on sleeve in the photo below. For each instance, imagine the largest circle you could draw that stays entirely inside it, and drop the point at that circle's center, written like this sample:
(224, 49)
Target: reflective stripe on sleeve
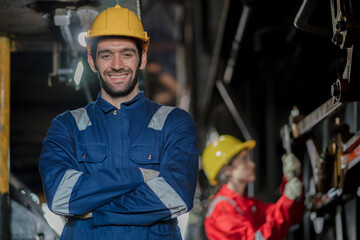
(220, 198)
(81, 117)
(158, 120)
(259, 236)
(60, 203)
(148, 174)
(168, 196)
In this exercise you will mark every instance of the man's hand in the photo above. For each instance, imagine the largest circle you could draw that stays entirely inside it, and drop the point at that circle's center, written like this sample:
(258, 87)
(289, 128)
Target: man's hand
(293, 188)
(291, 166)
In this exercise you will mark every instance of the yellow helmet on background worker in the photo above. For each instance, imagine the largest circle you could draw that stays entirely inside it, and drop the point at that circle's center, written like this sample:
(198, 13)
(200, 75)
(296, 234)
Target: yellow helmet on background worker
(219, 152)
(117, 21)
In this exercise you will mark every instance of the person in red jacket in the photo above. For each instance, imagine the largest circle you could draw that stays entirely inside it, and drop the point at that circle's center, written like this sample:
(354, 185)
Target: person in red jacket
(232, 214)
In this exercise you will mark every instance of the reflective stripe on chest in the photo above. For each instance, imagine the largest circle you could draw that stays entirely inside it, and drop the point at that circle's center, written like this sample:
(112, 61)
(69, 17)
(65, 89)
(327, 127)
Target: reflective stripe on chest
(81, 118)
(159, 118)
(157, 121)
(218, 199)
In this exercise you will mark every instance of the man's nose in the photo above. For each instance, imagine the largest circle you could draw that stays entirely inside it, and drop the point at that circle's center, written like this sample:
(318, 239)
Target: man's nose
(117, 63)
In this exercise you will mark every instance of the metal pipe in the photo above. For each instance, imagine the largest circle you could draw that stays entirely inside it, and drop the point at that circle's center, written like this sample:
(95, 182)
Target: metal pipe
(138, 9)
(236, 42)
(4, 135)
(214, 61)
(303, 16)
(66, 32)
(235, 114)
(243, 129)
(55, 61)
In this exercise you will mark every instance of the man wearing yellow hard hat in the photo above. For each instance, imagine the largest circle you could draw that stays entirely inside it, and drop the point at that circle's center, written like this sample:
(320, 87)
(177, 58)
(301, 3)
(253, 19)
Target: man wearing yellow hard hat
(122, 167)
(231, 213)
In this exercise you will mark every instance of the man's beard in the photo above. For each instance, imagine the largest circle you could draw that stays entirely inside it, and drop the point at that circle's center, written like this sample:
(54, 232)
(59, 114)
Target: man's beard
(119, 93)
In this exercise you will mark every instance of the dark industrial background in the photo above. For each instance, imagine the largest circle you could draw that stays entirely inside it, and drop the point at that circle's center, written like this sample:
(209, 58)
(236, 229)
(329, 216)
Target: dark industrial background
(282, 55)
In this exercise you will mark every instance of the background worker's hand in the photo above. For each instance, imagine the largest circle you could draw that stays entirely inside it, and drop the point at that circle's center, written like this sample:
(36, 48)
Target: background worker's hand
(291, 166)
(293, 188)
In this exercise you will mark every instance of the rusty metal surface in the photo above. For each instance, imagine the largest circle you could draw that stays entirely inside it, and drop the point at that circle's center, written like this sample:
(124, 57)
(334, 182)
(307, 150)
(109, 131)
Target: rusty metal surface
(311, 120)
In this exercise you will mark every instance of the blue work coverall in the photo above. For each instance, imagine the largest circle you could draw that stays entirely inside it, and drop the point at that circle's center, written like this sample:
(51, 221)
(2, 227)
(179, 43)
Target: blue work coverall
(96, 159)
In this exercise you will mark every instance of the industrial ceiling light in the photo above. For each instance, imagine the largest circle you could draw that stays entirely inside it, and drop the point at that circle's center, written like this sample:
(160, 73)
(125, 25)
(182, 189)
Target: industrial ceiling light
(78, 74)
(73, 74)
(82, 39)
(86, 15)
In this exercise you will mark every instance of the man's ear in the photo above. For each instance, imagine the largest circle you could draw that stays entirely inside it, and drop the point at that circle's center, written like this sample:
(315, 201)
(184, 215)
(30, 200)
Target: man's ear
(91, 63)
(143, 60)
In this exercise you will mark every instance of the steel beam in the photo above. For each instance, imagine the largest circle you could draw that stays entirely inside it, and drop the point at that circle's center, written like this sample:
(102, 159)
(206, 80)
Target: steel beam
(4, 135)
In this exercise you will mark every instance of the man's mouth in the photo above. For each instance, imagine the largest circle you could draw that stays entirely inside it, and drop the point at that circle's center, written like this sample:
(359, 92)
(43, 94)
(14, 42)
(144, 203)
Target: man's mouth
(118, 76)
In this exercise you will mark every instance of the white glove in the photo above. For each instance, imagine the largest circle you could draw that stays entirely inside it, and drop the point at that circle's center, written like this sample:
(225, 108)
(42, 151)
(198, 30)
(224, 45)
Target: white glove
(291, 166)
(293, 188)
(149, 174)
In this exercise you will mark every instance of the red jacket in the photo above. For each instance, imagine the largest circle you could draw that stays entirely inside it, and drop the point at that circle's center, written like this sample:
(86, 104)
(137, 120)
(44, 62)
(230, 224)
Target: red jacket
(232, 216)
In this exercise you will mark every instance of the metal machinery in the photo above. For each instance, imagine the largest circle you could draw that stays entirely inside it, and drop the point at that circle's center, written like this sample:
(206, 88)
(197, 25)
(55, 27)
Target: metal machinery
(327, 139)
(331, 135)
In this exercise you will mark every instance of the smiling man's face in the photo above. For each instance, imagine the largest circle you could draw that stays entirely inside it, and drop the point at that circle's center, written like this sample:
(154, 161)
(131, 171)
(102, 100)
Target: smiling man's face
(117, 65)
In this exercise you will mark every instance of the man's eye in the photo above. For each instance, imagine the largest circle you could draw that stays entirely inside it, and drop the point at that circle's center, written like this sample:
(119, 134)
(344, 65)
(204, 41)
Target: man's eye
(105, 56)
(128, 55)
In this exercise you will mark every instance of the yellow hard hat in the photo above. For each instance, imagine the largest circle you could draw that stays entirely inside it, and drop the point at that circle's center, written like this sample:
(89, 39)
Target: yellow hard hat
(219, 152)
(117, 21)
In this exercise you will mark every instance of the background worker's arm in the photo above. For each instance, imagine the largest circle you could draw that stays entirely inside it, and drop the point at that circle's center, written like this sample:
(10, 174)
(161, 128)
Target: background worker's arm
(292, 169)
(168, 195)
(70, 191)
(279, 216)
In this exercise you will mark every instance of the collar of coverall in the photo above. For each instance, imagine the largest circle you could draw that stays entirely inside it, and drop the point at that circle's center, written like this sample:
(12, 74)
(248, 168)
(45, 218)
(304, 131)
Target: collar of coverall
(107, 107)
(224, 190)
